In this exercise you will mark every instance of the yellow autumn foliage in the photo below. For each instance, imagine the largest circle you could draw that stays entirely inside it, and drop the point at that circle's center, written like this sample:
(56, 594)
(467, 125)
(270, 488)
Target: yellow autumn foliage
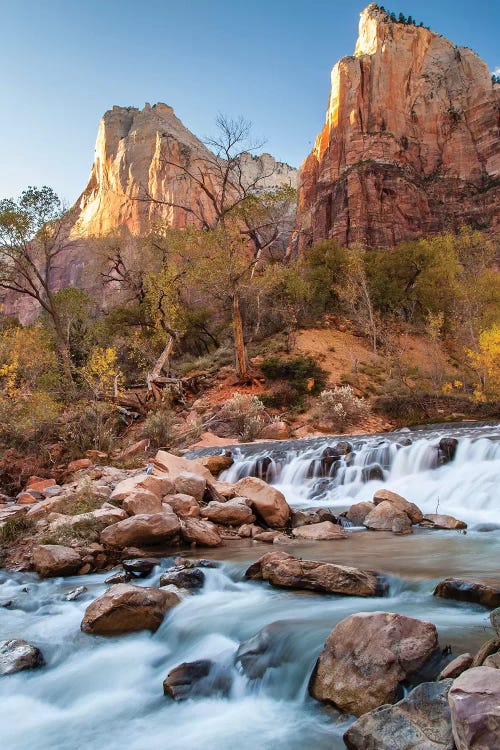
(102, 372)
(486, 362)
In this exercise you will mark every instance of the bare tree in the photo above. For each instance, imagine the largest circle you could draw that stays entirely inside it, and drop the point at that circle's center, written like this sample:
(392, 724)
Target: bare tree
(32, 237)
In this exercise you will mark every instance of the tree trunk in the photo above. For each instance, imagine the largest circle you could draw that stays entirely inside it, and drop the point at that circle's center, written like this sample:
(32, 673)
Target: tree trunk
(239, 342)
(162, 360)
(62, 348)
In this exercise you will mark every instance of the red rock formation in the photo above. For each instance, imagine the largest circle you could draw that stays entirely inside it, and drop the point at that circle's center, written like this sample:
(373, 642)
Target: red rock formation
(411, 141)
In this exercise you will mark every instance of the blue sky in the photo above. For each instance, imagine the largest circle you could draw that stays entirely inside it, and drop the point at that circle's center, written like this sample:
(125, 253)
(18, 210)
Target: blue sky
(63, 63)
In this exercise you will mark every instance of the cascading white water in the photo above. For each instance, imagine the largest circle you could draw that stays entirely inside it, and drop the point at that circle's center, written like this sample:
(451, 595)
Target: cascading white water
(97, 692)
(466, 486)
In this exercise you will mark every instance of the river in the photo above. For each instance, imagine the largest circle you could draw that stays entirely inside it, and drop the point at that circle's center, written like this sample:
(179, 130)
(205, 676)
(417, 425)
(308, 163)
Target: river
(107, 692)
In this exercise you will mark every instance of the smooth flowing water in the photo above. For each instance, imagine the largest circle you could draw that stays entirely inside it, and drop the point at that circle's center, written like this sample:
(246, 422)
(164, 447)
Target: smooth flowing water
(107, 692)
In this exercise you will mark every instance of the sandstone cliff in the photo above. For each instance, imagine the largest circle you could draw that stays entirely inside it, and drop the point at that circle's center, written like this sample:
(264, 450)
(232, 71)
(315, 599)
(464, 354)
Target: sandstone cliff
(133, 155)
(411, 141)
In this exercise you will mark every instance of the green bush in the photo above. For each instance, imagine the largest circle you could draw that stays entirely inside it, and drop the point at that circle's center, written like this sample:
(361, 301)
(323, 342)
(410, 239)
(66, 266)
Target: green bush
(302, 374)
(89, 425)
(14, 528)
(158, 427)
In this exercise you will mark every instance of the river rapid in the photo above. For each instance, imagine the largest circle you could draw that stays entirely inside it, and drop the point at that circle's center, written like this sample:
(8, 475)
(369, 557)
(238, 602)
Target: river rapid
(99, 692)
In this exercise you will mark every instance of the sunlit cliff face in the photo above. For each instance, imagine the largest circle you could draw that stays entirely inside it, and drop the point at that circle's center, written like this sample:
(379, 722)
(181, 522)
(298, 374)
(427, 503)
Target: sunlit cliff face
(410, 144)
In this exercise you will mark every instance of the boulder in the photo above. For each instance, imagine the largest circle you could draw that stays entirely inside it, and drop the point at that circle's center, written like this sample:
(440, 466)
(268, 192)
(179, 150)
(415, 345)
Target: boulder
(184, 578)
(384, 516)
(78, 465)
(421, 721)
(268, 503)
(188, 483)
(249, 530)
(492, 661)
(311, 515)
(159, 485)
(183, 506)
(456, 666)
(487, 649)
(28, 498)
(270, 647)
(324, 531)
(366, 658)
(441, 521)
(125, 609)
(39, 485)
(200, 532)
(495, 620)
(474, 700)
(479, 592)
(217, 464)
(401, 525)
(142, 501)
(386, 496)
(17, 655)
(145, 529)
(358, 512)
(141, 567)
(285, 571)
(275, 431)
(231, 513)
(200, 678)
(121, 576)
(172, 466)
(51, 560)
(447, 448)
(99, 518)
(140, 446)
(268, 537)
(225, 489)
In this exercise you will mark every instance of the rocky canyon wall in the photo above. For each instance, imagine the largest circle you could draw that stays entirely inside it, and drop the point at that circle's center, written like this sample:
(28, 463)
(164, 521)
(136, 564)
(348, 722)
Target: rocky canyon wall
(411, 142)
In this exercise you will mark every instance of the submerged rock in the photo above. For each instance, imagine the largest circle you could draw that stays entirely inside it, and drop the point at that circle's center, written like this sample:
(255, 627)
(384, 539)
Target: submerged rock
(200, 678)
(479, 592)
(125, 609)
(421, 721)
(142, 567)
(270, 647)
(474, 700)
(286, 571)
(441, 521)
(447, 449)
(75, 594)
(18, 655)
(366, 658)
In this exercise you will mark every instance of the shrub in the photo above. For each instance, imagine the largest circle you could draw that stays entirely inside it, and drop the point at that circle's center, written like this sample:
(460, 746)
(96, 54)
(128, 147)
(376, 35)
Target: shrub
(29, 420)
(84, 501)
(14, 528)
(302, 375)
(89, 426)
(158, 427)
(87, 530)
(339, 407)
(245, 414)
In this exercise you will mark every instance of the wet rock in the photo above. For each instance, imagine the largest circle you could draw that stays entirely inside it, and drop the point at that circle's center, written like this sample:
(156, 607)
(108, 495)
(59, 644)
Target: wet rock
(217, 464)
(184, 578)
(142, 501)
(261, 467)
(447, 449)
(183, 506)
(51, 560)
(311, 515)
(125, 609)
(270, 647)
(189, 483)
(358, 512)
(366, 658)
(487, 649)
(342, 448)
(383, 516)
(268, 503)
(141, 567)
(75, 594)
(197, 679)
(455, 667)
(421, 721)
(18, 655)
(286, 571)
(329, 462)
(479, 592)
(320, 531)
(386, 496)
(144, 529)
(401, 525)
(185, 562)
(440, 521)
(200, 532)
(474, 700)
(495, 620)
(230, 513)
(119, 577)
(372, 473)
